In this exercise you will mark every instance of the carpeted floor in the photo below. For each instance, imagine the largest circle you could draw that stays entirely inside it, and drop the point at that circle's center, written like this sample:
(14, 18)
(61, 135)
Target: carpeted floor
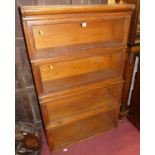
(124, 140)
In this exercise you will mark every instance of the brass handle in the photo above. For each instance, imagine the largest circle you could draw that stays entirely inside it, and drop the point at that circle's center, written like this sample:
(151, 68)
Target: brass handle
(51, 67)
(84, 24)
(41, 33)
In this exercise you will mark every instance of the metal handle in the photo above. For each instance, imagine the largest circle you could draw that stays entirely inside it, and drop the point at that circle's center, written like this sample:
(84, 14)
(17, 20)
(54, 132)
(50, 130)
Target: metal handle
(51, 67)
(84, 24)
(41, 33)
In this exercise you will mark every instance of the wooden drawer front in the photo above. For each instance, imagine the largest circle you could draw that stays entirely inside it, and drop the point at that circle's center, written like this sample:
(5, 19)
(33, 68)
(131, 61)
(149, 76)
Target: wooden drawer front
(55, 76)
(80, 31)
(53, 71)
(67, 134)
(69, 108)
